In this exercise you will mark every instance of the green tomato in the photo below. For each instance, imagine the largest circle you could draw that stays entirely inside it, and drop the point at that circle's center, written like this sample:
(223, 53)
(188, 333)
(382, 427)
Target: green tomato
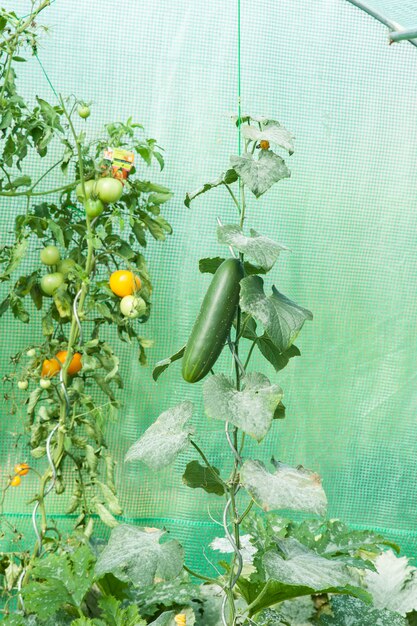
(109, 189)
(89, 189)
(83, 111)
(31, 353)
(93, 208)
(132, 306)
(50, 255)
(51, 282)
(22, 384)
(66, 266)
(44, 383)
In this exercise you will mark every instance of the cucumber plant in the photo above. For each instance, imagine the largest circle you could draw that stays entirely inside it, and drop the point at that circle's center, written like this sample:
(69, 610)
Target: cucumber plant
(237, 315)
(87, 231)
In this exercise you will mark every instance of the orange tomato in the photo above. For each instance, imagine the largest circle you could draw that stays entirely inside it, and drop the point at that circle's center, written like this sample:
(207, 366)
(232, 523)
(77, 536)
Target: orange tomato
(124, 283)
(21, 469)
(15, 481)
(51, 367)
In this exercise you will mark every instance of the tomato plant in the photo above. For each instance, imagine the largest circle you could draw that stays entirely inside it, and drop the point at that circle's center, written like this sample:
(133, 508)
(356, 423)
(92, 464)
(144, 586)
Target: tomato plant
(69, 247)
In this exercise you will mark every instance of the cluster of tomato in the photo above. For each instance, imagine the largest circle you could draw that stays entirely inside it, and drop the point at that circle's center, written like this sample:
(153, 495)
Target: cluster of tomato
(21, 469)
(123, 283)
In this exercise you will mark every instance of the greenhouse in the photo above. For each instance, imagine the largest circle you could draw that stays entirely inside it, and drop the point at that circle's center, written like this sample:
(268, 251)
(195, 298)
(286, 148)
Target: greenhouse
(208, 278)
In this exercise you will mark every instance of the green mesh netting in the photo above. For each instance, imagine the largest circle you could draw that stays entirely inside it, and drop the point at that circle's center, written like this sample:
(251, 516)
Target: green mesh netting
(348, 213)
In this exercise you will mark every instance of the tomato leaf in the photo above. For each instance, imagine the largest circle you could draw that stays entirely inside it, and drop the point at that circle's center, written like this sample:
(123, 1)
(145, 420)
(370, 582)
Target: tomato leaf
(197, 476)
(22, 181)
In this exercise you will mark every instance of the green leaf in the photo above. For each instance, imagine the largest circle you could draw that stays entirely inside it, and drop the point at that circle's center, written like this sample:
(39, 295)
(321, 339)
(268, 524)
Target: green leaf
(115, 615)
(161, 366)
(135, 554)
(198, 476)
(50, 114)
(111, 499)
(412, 618)
(160, 198)
(262, 250)
(277, 358)
(167, 618)
(18, 309)
(210, 266)
(59, 579)
(36, 295)
(260, 175)
(57, 232)
(273, 132)
(164, 439)
(62, 301)
(348, 611)
(21, 181)
(226, 178)
(287, 488)
(18, 254)
(104, 514)
(4, 306)
(111, 586)
(282, 319)
(251, 409)
(139, 232)
(260, 595)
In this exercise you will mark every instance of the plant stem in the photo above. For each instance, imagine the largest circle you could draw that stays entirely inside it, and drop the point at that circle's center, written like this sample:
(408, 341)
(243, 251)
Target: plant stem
(250, 353)
(246, 511)
(235, 200)
(200, 576)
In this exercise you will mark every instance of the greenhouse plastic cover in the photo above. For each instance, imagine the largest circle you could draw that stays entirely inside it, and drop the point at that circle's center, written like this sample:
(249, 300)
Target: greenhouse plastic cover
(348, 214)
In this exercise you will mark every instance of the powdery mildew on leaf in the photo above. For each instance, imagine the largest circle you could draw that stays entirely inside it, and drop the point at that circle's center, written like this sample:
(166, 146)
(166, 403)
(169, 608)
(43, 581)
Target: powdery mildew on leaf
(274, 133)
(394, 585)
(260, 175)
(252, 409)
(286, 488)
(135, 554)
(281, 317)
(262, 250)
(301, 566)
(349, 611)
(165, 439)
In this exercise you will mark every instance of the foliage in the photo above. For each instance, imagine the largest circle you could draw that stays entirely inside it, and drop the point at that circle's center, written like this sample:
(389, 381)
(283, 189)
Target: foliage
(65, 298)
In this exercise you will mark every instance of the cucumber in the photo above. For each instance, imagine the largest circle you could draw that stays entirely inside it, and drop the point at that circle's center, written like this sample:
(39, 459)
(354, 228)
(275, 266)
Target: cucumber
(214, 321)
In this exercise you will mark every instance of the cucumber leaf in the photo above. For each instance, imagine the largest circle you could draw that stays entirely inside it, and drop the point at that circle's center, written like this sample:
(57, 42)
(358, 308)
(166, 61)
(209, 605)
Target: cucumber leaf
(287, 488)
(252, 409)
(281, 317)
(161, 443)
(262, 250)
(259, 175)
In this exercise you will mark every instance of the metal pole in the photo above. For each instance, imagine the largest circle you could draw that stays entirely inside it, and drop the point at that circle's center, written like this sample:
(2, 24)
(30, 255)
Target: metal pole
(403, 35)
(393, 26)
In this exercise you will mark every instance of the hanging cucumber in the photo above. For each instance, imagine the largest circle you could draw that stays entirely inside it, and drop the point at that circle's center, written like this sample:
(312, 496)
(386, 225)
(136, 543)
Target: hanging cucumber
(213, 322)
